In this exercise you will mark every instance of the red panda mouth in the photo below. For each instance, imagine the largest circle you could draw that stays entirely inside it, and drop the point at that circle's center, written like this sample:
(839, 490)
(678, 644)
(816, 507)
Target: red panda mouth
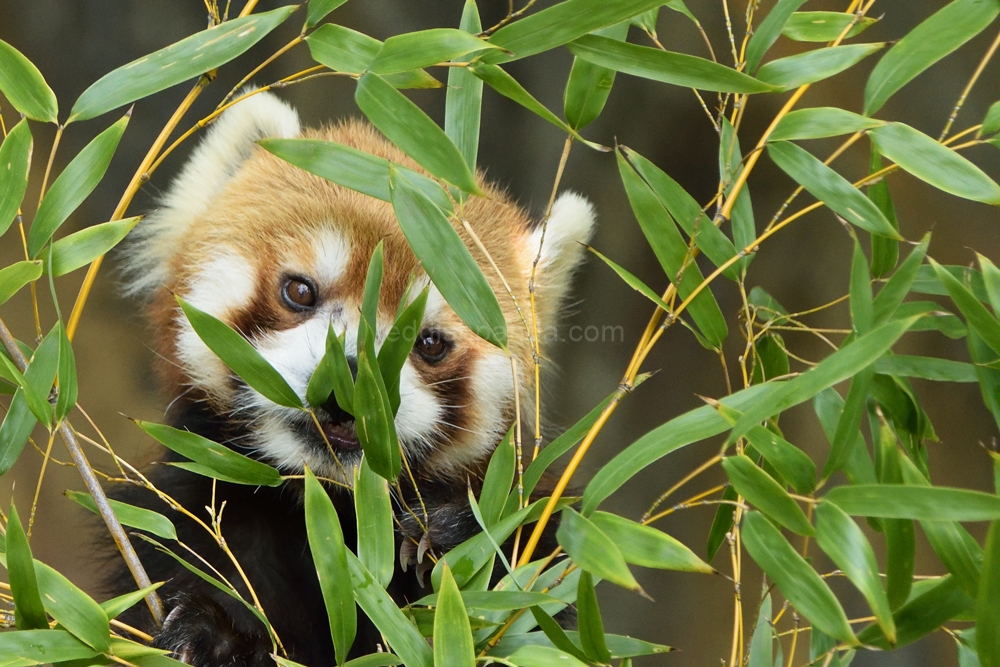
(341, 435)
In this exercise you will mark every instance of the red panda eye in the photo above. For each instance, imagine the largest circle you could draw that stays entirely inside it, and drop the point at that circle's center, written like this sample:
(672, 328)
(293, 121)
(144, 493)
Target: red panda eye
(432, 346)
(298, 294)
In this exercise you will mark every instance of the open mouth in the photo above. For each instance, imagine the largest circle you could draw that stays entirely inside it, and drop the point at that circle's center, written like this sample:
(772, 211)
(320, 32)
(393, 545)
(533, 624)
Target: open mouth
(340, 435)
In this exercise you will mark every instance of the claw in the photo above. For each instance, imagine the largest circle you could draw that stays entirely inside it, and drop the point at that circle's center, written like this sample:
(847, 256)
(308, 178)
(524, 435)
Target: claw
(407, 552)
(423, 548)
(422, 569)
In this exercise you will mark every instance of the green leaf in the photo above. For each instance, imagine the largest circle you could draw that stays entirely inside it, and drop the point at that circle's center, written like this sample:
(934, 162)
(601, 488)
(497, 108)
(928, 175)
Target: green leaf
(839, 366)
(373, 418)
(672, 252)
(820, 122)
(935, 163)
(762, 645)
(812, 66)
(648, 547)
(693, 426)
(846, 545)
(591, 626)
(592, 550)
(923, 503)
(68, 388)
(186, 59)
(41, 374)
(767, 495)
(241, 356)
(494, 600)
(932, 40)
(373, 507)
(885, 251)
(74, 184)
(464, 97)
(83, 247)
(342, 49)
(927, 368)
(824, 26)
(28, 609)
(991, 281)
(15, 159)
(686, 211)
(922, 614)
(795, 577)
(16, 276)
(118, 605)
(928, 282)
(448, 262)
(543, 656)
(130, 515)
(413, 131)
(556, 634)
(402, 636)
(332, 375)
(633, 282)
(375, 660)
(989, 378)
(900, 543)
(769, 30)
(895, 290)
(831, 188)
(24, 87)
(373, 288)
(991, 122)
(725, 515)
(589, 85)
(414, 50)
(326, 543)
(561, 23)
(678, 69)
(503, 83)
(398, 343)
(452, 634)
(975, 313)
(730, 164)
(212, 455)
(317, 10)
(73, 609)
(39, 647)
(15, 430)
(499, 476)
(987, 611)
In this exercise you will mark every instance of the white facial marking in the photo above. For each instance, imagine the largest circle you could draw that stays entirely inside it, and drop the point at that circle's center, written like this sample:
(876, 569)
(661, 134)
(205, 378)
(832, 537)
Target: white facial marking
(332, 255)
(419, 409)
(492, 388)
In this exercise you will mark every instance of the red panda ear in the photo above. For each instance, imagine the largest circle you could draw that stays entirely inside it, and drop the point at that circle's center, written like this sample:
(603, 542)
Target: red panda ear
(570, 224)
(228, 143)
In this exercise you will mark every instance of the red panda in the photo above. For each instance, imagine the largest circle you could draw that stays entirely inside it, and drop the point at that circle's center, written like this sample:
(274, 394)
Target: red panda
(280, 255)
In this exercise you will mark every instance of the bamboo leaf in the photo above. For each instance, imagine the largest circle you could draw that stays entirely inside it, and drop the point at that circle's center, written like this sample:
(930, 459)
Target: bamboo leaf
(16, 276)
(762, 645)
(413, 131)
(212, 455)
(591, 626)
(592, 550)
(796, 578)
(332, 375)
(824, 26)
(117, 605)
(991, 282)
(29, 613)
(678, 69)
(922, 503)
(936, 37)
(241, 356)
(464, 97)
(66, 376)
(885, 252)
(73, 609)
(39, 647)
(846, 545)
(414, 50)
(767, 495)
(543, 656)
(922, 614)
(927, 368)
(15, 159)
(74, 184)
(498, 479)
(769, 30)
(820, 122)
(452, 633)
(373, 507)
(375, 426)
(317, 10)
(831, 188)
(556, 634)
(83, 247)
(326, 543)
(589, 85)
(24, 86)
(186, 59)
(794, 71)
(448, 262)
(895, 290)
(130, 515)
(15, 430)
(975, 313)
(935, 163)
(398, 343)
(991, 122)
(987, 611)
(345, 50)
(648, 547)
(41, 374)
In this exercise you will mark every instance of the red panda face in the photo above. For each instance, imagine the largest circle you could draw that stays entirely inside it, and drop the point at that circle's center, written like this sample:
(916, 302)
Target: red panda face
(281, 256)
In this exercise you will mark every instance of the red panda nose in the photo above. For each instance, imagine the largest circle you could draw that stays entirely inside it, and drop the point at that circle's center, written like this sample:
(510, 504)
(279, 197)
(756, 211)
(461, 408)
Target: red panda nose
(338, 416)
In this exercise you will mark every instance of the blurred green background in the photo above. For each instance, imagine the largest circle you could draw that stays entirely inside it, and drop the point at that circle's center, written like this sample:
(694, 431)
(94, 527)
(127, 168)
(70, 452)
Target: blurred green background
(74, 43)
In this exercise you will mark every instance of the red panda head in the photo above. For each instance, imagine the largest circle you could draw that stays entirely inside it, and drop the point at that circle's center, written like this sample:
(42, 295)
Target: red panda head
(280, 255)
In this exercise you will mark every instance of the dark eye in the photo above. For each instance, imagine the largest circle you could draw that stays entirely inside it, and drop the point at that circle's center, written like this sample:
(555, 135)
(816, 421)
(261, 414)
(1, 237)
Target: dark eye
(299, 294)
(432, 346)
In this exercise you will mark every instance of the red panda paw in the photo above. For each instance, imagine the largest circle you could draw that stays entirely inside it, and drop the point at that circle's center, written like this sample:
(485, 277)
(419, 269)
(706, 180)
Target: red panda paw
(200, 633)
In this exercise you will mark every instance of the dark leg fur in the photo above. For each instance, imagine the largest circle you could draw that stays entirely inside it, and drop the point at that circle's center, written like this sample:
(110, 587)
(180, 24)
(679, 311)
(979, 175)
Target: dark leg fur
(265, 528)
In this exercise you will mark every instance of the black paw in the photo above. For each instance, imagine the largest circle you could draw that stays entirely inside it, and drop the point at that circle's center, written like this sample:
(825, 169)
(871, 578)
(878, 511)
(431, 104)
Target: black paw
(199, 632)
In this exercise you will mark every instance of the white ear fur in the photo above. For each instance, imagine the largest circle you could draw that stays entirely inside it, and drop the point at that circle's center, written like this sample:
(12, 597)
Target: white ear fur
(229, 143)
(570, 224)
